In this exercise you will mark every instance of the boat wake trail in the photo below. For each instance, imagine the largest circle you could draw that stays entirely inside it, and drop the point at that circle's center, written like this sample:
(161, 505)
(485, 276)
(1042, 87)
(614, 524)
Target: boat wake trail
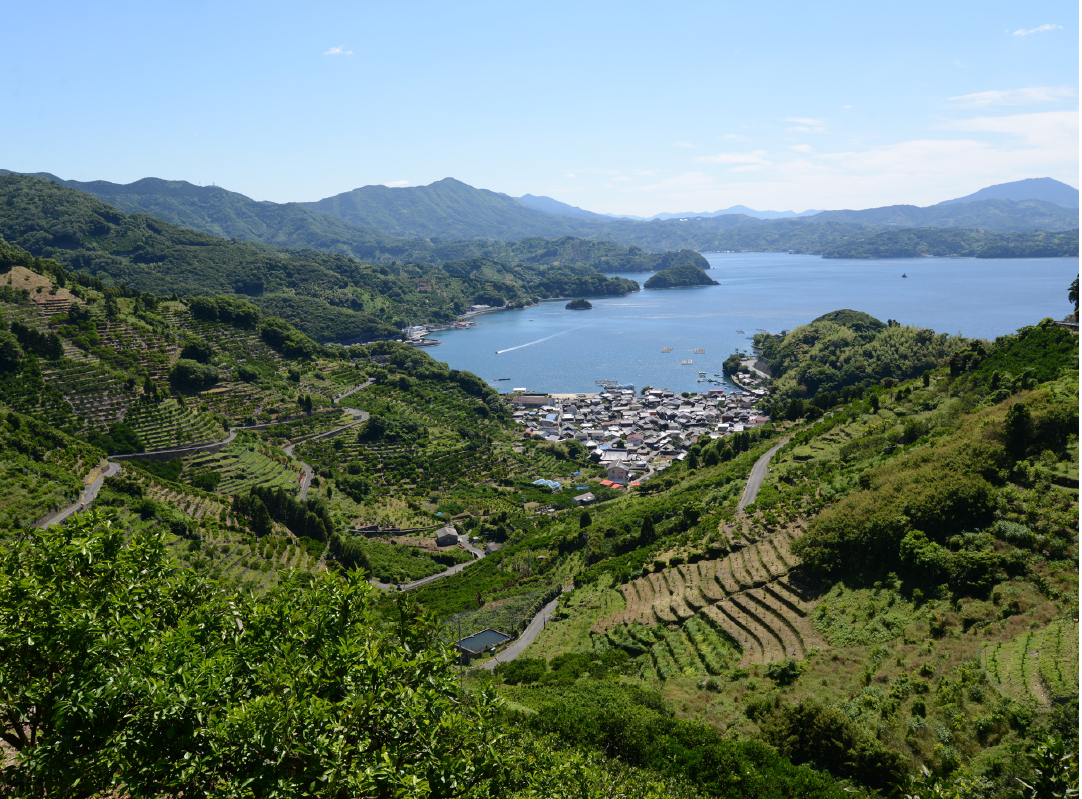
(538, 341)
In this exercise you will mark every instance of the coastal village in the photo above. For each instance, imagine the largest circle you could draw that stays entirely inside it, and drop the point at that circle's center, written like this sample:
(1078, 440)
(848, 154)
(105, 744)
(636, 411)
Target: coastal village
(636, 435)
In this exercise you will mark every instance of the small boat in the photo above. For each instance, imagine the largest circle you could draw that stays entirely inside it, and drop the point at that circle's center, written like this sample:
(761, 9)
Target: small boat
(904, 274)
(502, 378)
(741, 332)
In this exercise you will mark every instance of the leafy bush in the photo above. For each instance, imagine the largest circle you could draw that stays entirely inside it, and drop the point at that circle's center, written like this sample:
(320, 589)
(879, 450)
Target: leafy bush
(192, 375)
(824, 738)
(521, 670)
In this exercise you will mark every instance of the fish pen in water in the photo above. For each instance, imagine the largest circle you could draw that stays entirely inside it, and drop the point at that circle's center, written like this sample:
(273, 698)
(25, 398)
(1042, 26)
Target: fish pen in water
(700, 351)
(666, 349)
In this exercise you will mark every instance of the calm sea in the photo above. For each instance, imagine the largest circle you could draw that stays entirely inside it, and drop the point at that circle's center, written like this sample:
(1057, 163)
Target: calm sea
(548, 348)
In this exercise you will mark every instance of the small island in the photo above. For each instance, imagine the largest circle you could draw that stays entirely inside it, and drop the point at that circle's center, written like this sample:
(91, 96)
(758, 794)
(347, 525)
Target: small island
(579, 305)
(679, 276)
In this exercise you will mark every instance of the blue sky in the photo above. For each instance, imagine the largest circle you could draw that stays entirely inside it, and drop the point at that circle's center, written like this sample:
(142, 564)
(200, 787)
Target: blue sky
(616, 107)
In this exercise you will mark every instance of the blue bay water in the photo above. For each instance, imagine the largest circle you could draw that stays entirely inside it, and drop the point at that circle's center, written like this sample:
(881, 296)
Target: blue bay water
(548, 348)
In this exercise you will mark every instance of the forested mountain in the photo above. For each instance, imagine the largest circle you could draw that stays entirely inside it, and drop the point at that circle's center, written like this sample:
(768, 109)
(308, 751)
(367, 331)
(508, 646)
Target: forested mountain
(914, 243)
(446, 209)
(557, 208)
(452, 209)
(1046, 189)
(329, 296)
(995, 215)
(449, 219)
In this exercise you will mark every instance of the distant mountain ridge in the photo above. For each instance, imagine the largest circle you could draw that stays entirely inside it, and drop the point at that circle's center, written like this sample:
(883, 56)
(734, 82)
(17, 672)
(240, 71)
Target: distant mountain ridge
(1045, 189)
(735, 209)
(557, 208)
(449, 220)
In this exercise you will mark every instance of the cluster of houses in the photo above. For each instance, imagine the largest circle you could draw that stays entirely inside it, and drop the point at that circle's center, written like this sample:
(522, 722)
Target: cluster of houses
(636, 435)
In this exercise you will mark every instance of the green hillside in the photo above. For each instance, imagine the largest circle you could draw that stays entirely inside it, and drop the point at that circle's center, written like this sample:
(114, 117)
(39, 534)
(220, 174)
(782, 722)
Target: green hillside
(901, 595)
(331, 297)
(911, 243)
(226, 214)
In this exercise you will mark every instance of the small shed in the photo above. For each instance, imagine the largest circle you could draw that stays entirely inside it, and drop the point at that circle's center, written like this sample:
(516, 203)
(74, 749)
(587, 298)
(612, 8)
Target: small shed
(446, 536)
(491, 547)
(585, 499)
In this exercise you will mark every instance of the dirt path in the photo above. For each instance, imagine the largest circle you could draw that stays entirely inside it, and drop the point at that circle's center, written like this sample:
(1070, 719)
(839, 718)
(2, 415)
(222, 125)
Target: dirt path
(758, 473)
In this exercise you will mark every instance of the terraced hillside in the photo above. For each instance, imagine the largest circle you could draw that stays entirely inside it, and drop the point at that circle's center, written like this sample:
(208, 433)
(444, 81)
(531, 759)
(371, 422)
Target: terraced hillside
(1038, 665)
(243, 464)
(165, 425)
(675, 594)
(97, 395)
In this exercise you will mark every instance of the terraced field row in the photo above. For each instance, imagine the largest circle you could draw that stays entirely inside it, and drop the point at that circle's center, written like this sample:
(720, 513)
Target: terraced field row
(195, 506)
(97, 396)
(164, 425)
(695, 649)
(399, 463)
(154, 351)
(674, 595)
(236, 400)
(241, 344)
(1038, 665)
(242, 468)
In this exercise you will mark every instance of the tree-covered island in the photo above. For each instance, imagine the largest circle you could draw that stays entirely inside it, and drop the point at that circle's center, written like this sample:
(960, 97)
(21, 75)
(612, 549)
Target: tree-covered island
(579, 305)
(679, 276)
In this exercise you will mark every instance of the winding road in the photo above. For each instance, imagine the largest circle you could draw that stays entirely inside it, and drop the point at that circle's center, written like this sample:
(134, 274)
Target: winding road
(88, 495)
(758, 473)
(306, 479)
(537, 624)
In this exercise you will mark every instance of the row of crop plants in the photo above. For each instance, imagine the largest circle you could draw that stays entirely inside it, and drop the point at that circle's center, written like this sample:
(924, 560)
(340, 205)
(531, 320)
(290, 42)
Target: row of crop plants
(1038, 665)
(96, 395)
(678, 592)
(165, 424)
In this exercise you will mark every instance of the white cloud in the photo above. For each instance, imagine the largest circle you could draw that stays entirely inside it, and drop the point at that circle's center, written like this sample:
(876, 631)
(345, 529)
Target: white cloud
(847, 106)
(684, 144)
(753, 157)
(1038, 29)
(1029, 96)
(806, 125)
(569, 175)
(339, 50)
(397, 183)
(734, 137)
(1052, 132)
(955, 158)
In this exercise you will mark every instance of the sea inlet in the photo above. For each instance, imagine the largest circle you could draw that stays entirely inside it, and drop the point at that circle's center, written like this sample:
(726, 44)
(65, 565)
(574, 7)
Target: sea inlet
(551, 349)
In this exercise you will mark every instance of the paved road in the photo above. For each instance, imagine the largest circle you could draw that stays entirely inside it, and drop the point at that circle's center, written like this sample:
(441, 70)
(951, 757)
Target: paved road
(306, 478)
(187, 449)
(758, 472)
(354, 390)
(89, 494)
(532, 631)
(477, 553)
